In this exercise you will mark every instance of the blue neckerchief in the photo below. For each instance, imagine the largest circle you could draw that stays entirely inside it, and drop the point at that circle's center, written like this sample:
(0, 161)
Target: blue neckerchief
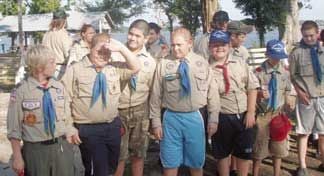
(315, 60)
(183, 70)
(272, 88)
(48, 112)
(133, 82)
(99, 87)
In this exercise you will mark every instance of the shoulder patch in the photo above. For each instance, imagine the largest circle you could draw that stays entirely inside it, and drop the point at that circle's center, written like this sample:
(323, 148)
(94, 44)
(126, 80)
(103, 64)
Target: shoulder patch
(13, 95)
(170, 65)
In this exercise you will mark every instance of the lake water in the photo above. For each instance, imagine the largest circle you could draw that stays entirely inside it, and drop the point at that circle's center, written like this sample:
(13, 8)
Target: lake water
(252, 39)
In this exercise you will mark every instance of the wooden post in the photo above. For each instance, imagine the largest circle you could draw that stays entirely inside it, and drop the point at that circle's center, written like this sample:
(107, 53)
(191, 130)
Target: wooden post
(209, 7)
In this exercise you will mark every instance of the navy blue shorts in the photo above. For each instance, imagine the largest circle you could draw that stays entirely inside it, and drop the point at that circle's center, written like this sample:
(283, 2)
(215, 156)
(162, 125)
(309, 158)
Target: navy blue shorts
(100, 147)
(233, 138)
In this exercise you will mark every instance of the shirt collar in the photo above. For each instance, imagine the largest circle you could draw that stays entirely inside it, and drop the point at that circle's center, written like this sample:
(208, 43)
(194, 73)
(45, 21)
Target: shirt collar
(34, 84)
(269, 69)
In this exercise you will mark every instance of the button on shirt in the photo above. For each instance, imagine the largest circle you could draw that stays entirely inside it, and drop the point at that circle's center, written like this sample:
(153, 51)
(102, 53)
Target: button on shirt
(166, 91)
(241, 79)
(26, 101)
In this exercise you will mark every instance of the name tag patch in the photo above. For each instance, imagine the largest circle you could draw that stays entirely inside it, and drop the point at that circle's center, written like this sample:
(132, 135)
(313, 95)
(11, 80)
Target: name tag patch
(31, 104)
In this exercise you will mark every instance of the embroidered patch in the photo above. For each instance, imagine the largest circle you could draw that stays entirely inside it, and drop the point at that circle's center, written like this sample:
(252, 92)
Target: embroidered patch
(170, 77)
(13, 96)
(59, 91)
(199, 63)
(60, 97)
(31, 104)
(30, 119)
(170, 65)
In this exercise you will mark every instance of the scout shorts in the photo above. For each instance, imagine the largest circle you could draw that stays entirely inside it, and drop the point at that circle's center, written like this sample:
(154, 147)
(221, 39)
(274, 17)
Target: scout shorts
(263, 146)
(233, 138)
(310, 118)
(135, 139)
(183, 141)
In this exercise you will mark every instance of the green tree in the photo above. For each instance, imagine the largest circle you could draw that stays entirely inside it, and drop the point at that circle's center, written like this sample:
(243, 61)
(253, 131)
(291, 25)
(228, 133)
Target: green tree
(189, 13)
(265, 14)
(43, 6)
(119, 10)
(10, 7)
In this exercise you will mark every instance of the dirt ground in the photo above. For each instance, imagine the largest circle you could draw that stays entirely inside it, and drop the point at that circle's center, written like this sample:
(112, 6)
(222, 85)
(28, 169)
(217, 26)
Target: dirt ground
(152, 167)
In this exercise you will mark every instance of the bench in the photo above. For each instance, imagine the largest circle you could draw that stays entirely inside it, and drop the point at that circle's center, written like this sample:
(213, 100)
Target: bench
(257, 56)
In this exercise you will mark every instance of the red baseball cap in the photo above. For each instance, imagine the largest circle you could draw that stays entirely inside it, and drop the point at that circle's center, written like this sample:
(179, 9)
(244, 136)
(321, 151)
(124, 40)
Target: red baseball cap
(279, 127)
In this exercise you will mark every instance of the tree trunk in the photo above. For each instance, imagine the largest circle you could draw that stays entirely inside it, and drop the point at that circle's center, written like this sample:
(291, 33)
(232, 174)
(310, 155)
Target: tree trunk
(20, 26)
(291, 34)
(209, 7)
(261, 33)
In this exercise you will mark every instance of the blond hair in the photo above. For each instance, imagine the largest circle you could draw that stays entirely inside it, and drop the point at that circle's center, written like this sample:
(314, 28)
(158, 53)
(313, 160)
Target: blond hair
(101, 37)
(38, 56)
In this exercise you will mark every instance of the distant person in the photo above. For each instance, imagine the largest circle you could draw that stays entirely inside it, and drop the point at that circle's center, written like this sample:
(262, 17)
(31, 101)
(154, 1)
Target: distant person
(82, 47)
(156, 44)
(238, 32)
(58, 40)
(220, 22)
(273, 99)
(306, 63)
(39, 115)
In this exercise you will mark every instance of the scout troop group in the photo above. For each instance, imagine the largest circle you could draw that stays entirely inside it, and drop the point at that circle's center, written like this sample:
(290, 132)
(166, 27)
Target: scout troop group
(107, 97)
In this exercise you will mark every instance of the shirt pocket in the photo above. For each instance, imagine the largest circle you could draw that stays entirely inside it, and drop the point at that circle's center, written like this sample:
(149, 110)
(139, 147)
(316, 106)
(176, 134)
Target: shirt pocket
(306, 68)
(60, 108)
(32, 110)
(113, 85)
(85, 87)
(173, 85)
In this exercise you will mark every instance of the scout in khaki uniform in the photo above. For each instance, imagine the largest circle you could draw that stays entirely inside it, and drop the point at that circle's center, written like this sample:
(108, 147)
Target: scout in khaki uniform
(238, 31)
(94, 86)
(220, 22)
(156, 44)
(182, 85)
(39, 115)
(133, 106)
(58, 40)
(272, 98)
(237, 89)
(306, 65)
(82, 47)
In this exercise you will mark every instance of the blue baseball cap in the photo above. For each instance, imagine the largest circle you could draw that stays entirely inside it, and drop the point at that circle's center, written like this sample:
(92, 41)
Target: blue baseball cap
(276, 50)
(219, 36)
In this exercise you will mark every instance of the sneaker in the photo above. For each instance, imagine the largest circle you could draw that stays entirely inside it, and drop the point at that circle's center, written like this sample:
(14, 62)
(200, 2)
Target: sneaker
(321, 167)
(302, 172)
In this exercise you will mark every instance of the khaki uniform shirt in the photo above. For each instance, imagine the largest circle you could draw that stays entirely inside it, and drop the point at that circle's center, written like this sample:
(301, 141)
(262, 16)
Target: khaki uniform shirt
(78, 51)
(241, 80)
(301, 70)
(79, 80)
(131, 98)
(201, 46)
(60, 43)
(166, 89)
(155, 49)
(263, 73)
(240, 52)
(25, 119)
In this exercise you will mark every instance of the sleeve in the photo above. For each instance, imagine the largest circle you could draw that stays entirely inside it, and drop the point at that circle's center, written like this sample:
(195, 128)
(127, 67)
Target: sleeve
(15, 116)
(213, 99)
(69, 120)
(294, 71)
(68, 81)
(156, 97)
(67, 44)
(73, 57)
(150, 82)
(252, 82)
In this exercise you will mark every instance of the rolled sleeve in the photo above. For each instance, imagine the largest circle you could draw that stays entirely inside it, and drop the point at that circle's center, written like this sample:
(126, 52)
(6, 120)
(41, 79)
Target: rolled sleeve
(253, 82)
(14, 116)
(156, 98)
